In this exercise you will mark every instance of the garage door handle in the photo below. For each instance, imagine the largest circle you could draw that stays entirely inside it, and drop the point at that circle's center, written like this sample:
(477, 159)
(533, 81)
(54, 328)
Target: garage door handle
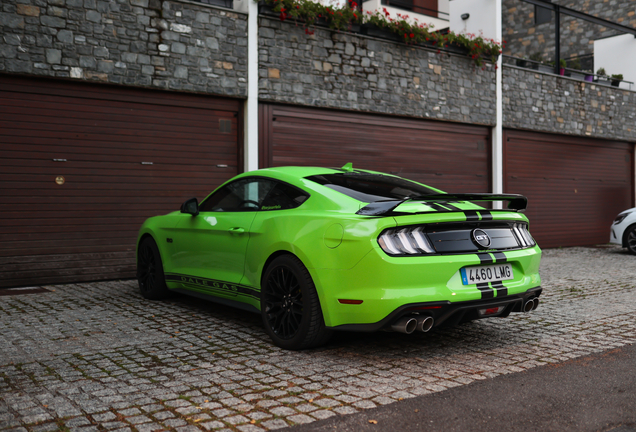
(236, 230)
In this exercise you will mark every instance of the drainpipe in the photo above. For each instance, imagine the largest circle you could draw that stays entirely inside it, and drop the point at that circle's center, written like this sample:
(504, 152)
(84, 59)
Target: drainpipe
(497, 131)
(250, 117)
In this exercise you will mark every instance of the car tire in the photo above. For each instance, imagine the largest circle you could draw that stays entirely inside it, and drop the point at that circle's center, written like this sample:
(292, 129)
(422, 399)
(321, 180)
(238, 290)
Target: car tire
(152, 282)
(290, 307)
(630, 239)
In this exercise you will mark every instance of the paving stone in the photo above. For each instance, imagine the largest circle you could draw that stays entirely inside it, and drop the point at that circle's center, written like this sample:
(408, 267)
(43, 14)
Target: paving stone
(352, 373)
(275, 424)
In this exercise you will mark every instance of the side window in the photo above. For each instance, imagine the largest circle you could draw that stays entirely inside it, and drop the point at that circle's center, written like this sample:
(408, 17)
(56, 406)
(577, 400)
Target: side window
(239, 196)
(283, 197)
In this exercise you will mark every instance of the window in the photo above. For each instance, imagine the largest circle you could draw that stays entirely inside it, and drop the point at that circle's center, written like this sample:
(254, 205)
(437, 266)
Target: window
(253, 194)
(240, 195)
(284, 197)
(372, 187)
(542, 15)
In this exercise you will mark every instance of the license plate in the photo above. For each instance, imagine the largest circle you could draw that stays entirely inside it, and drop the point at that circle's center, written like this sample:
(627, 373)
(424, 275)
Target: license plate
(490, 273)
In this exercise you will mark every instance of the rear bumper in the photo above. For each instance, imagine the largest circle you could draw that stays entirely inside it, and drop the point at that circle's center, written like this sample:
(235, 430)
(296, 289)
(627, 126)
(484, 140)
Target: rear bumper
(446, 313)
(380, 285)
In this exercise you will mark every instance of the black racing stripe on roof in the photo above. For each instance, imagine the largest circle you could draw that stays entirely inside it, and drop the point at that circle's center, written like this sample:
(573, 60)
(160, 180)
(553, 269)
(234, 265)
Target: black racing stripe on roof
(451, 207)
(436, 206)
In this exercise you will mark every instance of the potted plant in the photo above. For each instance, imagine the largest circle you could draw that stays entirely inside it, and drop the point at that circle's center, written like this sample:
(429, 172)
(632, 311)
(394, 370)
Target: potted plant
(522, 62)
(601, 77)
(616, 79)
(562, 65)
(589, 76)
(536, 60)
(575, 69)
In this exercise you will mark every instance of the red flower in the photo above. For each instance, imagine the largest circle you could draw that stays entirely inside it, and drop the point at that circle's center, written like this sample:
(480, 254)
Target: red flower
(412, 35)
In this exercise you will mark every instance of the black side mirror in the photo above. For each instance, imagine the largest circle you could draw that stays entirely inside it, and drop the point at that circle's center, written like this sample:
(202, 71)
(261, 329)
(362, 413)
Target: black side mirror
(191, 206)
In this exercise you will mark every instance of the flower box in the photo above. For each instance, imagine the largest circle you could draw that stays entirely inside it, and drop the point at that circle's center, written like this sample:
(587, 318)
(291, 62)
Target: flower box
(373, 30)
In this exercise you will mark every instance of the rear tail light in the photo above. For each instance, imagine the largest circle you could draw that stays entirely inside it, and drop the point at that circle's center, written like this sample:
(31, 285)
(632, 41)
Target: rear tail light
(405, 241)
(523, 235)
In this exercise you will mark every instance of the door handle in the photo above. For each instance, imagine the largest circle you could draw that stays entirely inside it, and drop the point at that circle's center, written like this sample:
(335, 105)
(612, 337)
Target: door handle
(237, 230)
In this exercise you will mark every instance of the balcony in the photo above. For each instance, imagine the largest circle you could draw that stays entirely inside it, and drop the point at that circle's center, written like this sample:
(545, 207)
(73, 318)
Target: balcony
(570, 72)
(434, 13)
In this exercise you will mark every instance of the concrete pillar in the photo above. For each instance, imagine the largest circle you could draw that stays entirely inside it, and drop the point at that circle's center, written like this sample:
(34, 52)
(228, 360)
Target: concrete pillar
(497, 132)
(250, 115)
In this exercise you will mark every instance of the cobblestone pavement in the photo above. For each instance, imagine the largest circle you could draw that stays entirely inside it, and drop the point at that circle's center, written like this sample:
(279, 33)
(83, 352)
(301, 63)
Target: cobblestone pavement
(97, 356)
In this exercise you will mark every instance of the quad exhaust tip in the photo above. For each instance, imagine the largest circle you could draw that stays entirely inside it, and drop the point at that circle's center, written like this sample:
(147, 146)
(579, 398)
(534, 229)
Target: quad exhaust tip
(408, 325)
(405, 325)
(531, 304)
(425, 323)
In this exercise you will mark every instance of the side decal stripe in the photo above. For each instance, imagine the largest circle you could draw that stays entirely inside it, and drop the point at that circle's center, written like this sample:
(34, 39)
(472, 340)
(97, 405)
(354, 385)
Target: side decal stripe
(486, 291)
(500, 288)
(471, 216)
(212, 284)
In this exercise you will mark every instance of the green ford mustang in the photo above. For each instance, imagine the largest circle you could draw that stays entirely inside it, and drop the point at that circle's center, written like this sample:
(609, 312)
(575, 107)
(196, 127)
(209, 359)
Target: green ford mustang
(318, 249)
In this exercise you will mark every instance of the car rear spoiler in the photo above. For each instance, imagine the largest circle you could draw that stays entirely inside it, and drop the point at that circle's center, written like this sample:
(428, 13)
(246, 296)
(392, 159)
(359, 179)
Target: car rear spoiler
(380, 208)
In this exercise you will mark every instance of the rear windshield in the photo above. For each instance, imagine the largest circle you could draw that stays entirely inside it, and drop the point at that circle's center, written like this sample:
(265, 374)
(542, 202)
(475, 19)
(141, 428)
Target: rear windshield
(372, 187)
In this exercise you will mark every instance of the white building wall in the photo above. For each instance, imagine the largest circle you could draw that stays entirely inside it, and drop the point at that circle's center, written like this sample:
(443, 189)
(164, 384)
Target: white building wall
(482, 20)
(617, 55)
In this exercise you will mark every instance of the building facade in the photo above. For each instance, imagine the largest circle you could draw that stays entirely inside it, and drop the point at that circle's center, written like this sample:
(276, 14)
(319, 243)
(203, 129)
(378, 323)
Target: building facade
(114, 111)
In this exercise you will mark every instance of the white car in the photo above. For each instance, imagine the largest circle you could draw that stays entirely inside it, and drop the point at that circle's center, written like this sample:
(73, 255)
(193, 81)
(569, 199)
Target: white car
(624, 230)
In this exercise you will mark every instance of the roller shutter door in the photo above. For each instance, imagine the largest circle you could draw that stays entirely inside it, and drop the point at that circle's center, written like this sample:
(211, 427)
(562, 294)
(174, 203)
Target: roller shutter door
(82, 166)
(575, 186)
(450, 156)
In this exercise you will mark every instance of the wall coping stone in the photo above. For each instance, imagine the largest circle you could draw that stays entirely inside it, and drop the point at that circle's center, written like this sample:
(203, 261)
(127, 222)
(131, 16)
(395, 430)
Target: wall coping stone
(567, 78)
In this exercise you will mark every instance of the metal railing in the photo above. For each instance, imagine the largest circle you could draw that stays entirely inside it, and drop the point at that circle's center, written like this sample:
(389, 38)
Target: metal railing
(567, 72)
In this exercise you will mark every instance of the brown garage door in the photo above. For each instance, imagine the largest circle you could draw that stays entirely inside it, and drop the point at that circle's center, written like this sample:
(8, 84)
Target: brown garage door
(575, 186)
(450, 156)
(82, 166)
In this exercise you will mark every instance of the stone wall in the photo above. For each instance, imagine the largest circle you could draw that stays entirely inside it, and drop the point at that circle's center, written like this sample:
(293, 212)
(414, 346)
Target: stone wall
(354, 72)
(544, 102)
(524, 38)
(149, 43)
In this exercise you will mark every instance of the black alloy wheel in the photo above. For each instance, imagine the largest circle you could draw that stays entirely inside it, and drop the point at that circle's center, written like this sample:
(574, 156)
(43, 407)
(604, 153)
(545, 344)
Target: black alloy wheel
(152, 284)
(290, 307)
(630, 239)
